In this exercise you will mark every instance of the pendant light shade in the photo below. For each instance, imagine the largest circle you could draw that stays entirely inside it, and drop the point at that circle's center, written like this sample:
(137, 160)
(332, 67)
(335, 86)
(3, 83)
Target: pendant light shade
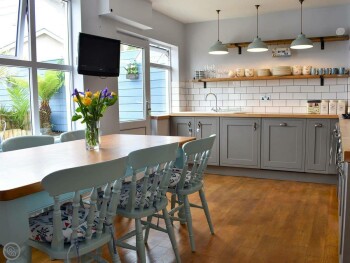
(218, 48)
(257, 45)
(301, 42)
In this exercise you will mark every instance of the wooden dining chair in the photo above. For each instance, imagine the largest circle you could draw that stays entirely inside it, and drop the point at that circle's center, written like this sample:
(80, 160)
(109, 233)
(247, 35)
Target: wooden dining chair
(23, 142)
(188, 180)
(72, 135)
(144, 194)
(70, 230)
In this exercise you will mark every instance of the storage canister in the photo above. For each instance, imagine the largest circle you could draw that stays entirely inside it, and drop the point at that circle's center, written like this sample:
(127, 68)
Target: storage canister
(324, 106)
(341, 107)
(333, 107)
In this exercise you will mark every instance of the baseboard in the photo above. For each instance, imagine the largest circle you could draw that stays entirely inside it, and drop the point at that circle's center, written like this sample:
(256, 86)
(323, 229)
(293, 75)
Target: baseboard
(275, 175)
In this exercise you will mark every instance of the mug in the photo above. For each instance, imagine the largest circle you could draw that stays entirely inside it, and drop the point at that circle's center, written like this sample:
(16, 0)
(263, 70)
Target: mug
(249, 72)
(231, 74)
(296, 69)
(326, 71)
(240, 72)
(320, 71)
(341, 71)
(314, 71)
(306, 70)
(334, 71)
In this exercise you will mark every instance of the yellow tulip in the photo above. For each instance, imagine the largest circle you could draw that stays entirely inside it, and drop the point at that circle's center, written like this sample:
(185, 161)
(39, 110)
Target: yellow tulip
(75, 99)
(113, 93)
(97, 94)
(86, 101)
(88, 94)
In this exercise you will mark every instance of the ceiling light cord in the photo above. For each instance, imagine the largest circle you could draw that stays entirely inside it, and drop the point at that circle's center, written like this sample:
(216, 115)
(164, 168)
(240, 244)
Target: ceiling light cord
(257, 21)
(218, 11)
(301, 16)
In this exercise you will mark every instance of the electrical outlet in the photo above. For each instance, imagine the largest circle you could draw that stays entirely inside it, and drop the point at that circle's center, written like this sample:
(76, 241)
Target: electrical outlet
(265, 97)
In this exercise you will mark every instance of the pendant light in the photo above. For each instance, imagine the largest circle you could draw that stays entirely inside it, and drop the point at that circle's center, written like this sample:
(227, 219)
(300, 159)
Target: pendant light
(257, 45)
(218, 48)
(301, 42)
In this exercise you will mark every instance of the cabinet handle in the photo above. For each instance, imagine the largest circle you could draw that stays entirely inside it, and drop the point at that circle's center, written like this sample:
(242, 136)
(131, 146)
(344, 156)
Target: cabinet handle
(283, 124)
(199, 126)
(254, 126)
(318, 125)
(189, 124)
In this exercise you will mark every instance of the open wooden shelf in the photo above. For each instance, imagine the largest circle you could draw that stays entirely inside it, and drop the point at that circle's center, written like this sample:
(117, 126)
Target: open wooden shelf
(321, 40)
(321, 77)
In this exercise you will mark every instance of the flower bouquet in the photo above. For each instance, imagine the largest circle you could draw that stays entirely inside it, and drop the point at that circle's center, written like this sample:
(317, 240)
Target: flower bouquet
(91, 107)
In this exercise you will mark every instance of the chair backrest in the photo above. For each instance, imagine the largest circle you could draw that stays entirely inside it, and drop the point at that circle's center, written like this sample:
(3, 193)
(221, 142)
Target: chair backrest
(22, 142)
(197, 153)
(106, 174)
(2, 130)
(72, 135)
(154, 166)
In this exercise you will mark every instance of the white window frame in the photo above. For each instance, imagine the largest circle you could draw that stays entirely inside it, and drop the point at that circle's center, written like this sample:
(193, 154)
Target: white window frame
(34, 65)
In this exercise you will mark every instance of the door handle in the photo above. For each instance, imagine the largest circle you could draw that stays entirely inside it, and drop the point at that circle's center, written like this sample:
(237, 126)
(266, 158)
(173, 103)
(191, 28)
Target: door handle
(283, 124)
(254, 126)
(189, 124)
(199, 126)
(318, 125)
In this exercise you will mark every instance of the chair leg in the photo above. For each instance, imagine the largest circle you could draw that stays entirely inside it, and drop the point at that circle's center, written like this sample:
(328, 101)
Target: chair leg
(149, 220)
(140, 245)
(112, 250)
(181, 213)
(171, 234)
(206, 210)
(189, 223)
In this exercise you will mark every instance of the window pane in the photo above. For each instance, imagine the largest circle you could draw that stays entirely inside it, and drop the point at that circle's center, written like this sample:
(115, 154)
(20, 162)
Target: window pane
(159, 91)
(52, 31)
(14, 102)
(159, 55)
(53, 95)
(8, 26)
(130, 84)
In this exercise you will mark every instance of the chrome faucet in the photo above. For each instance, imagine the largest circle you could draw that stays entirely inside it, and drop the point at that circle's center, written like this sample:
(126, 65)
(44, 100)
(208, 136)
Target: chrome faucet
(216, 109)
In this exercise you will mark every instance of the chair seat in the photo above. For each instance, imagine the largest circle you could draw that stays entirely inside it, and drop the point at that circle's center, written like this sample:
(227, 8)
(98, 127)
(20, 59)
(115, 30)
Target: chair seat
(41, 226)
(176, 176)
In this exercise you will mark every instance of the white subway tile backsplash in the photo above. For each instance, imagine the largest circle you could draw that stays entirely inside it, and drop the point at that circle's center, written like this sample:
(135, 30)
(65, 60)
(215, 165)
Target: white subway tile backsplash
(279, 103)
(286, 82)
(322, 88)
(293, 88)
(342, 96)
(307, 89)
(259, 83)
(299, 109)
(266, 103)
(259, 109)
(300, 81)
(253, 103)
(223, 84)
(235, 84)
(293, 102)
(241, 90)
(194, 91)
(211, 84)
(279, 89)
(274, 82)
(342, 81)
(330, 81)
(247, 83)
(337, 88)
(240, 103)
(286, 96)
(234, 97)
(257, 96)
(204, 91)
(313, 82)
(299, 96)
(286, 109)
(275, 96)
(216, 90)
(246, 96)
(272, 109)
(252, 89)
(265, 89)
(204, 103)
(329, 96)
(314, 96)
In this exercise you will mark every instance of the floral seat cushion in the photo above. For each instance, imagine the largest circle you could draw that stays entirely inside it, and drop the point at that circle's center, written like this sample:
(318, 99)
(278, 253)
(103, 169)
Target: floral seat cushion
(176, 176)
(41, 226)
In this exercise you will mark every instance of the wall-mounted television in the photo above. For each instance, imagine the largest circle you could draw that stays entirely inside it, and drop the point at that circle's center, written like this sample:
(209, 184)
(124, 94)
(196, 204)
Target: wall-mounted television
(98, 56)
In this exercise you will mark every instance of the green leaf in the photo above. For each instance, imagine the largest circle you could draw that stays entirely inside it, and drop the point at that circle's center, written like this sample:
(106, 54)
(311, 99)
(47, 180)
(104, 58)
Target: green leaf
(76, 117)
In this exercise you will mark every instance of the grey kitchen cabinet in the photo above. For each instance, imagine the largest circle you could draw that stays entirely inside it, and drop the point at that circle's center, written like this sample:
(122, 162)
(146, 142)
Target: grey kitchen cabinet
(240, 142)
(317, 145)
(199, 127)
(331, 160)
(283, 144)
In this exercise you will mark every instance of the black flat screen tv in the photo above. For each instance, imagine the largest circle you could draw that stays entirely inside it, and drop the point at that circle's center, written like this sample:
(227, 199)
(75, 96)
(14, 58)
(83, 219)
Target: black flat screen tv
(98, 56)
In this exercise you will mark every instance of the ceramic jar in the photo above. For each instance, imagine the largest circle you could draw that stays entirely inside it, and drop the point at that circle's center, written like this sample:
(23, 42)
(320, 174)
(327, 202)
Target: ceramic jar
(249, 72)
(333, 107)
(231, 74)
(307, 70)
(240, 72)
(341, 107)
(324, 106)
(297, 70)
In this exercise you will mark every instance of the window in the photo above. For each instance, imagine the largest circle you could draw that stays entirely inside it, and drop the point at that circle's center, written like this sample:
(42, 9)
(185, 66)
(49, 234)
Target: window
(160, 79)
(35, 67)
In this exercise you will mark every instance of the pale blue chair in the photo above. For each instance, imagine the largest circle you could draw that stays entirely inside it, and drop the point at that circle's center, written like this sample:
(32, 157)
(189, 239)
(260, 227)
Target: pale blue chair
(89, 228)
(23, 142)
(72, 135)
(189, 180)
(145, 195)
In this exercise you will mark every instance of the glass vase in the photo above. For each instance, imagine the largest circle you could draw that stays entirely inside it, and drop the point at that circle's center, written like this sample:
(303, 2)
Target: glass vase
(92, 135)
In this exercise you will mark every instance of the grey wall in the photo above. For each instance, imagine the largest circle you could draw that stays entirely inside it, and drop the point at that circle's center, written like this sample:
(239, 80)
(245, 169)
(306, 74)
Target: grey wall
(316, 22)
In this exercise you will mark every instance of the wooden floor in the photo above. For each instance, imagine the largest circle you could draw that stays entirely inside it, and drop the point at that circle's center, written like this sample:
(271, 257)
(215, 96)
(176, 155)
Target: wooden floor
(255, 220)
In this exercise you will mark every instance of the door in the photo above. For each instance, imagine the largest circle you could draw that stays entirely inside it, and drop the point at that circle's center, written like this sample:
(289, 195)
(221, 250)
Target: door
(182, 126)
(317, 144)
(204, 128)
(331, 160)
(134, 86)
(240, 142)
(283, 143)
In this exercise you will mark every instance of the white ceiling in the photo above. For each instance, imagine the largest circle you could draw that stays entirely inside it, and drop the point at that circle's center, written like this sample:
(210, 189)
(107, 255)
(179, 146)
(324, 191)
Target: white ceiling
(191, 11)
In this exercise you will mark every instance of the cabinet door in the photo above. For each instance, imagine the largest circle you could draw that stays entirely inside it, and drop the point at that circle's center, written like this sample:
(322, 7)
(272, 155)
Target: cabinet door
(204, 127)
(317, 145)
(283, 143)
(331, 167)
(240, 142)
(182, 126)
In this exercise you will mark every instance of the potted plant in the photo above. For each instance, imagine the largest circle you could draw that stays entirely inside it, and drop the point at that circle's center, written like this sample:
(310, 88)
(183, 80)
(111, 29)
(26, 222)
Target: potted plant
(132, 70)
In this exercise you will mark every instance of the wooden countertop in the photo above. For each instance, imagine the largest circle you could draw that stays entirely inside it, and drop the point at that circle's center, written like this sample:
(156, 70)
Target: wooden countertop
(23, 170)
(253, 115)
(345, 138)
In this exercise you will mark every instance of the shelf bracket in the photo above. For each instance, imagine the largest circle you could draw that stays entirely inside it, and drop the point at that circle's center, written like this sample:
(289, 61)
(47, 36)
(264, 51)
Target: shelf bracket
(239, 50)
(205, 84)
(322, 80)
(322, 43)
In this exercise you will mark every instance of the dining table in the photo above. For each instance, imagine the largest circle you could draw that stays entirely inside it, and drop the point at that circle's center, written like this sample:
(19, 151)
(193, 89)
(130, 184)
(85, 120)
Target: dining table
(21, 173)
